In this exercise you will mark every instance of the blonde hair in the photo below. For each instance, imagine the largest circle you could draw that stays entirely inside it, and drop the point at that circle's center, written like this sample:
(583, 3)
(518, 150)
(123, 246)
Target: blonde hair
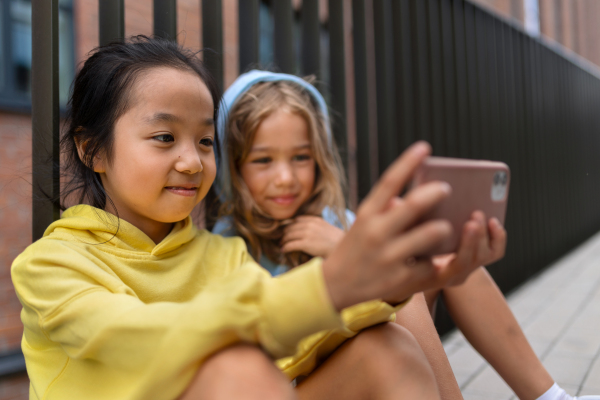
(263, 233)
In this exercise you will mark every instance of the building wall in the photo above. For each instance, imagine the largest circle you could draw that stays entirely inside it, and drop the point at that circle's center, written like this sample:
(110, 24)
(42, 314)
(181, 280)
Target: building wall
(507, 8)
(571, 23)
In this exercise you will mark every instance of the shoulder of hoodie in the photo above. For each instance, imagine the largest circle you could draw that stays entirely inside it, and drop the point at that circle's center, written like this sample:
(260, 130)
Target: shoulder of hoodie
(62, 244)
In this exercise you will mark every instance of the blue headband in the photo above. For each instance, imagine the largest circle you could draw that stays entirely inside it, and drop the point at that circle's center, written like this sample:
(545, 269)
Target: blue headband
(241, 85)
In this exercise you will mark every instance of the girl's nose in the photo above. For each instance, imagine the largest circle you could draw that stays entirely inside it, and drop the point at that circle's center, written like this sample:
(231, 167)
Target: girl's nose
(189, 161)
(284, 175)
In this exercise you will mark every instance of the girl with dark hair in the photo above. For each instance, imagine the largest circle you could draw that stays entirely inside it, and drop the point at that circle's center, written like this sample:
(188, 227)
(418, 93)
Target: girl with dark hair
(123, 298)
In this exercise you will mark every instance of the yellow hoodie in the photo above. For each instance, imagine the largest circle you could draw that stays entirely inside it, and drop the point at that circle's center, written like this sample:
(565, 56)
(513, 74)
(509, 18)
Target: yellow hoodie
(115, 316)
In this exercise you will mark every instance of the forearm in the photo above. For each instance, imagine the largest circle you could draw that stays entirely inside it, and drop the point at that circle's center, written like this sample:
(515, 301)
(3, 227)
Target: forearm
(415, 317)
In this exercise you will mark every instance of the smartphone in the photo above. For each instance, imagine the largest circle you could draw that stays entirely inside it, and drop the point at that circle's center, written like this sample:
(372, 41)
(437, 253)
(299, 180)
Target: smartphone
(476, 185)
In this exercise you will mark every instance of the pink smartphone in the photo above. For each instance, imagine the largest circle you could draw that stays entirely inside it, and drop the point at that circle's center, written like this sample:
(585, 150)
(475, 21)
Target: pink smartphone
(476, 185)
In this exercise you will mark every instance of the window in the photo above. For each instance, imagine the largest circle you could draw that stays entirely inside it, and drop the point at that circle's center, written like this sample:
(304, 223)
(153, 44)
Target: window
(15, 52)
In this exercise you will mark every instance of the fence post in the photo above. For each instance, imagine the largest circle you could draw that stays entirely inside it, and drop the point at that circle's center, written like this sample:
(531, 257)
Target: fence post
(364, 159)
(45, 114)
(111, 22)
(248, 33)
(283, 16)
(212, 37)
(165, 19)
(337, 76)
(311, 39)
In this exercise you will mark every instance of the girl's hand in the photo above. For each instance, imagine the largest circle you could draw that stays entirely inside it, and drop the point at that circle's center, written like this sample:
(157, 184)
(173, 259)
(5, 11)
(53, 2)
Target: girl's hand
(312, 235)
(379, 257)
(479, 245)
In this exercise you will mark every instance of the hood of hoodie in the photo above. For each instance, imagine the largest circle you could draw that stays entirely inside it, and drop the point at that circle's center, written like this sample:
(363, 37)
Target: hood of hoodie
(241, 85)
(94, 226)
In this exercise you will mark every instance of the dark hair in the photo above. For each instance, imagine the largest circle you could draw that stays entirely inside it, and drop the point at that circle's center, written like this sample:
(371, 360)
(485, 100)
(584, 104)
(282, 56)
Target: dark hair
(101, 94)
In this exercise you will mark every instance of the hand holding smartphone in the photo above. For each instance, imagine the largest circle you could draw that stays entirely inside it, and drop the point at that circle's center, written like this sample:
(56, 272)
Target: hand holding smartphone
(476, 185)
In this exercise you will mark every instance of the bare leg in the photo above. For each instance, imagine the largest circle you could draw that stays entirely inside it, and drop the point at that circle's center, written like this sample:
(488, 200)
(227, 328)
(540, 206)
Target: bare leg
(416, 318)
(239, 372)
(383, 362)
(481, 313)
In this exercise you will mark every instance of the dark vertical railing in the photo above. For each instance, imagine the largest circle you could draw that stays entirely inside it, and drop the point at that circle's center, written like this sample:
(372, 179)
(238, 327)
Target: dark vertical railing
(45, 114)
(448, 145)
(212, 37)
(311, 39)
(284, 53)
(111, 20)
(337, 76)
(472, 92)
(387, 139)
(421, 64)
(363, 143)
(165, 19)
(477, 86)
(436, 76)
(248, 33)
(463, 147)
(403, 81)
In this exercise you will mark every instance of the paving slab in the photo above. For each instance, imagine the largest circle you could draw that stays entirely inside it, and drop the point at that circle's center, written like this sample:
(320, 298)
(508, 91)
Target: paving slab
(559, 311)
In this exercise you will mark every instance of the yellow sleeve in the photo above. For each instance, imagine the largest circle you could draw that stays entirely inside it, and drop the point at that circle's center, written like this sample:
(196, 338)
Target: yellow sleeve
(314, 349)
(158, 346)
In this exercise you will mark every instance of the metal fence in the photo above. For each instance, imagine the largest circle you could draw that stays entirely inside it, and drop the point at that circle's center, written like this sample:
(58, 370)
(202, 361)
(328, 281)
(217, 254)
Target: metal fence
(472, 84)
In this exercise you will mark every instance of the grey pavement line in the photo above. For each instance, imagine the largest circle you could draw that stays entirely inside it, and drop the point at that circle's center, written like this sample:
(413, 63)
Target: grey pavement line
(578, 312)
(587, 373)
(546, 304)
(475, 375)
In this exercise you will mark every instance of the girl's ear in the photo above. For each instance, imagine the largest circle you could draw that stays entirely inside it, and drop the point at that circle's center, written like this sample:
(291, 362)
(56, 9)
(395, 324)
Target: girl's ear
(98, 161)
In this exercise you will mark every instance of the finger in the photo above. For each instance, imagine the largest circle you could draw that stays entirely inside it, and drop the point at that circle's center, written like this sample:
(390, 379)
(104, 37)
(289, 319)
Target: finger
(394, 202)
(497, 238)
(296, 226)
(292, 235)
(467, 253)
(422, 239)
(484, 249)
(395, 178)
(294, 245)
(415, 205)
(307, 218)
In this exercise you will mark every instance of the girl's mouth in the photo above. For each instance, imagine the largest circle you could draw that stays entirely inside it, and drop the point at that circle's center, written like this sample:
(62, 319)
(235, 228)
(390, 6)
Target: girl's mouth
(283, 200)
(182, 191)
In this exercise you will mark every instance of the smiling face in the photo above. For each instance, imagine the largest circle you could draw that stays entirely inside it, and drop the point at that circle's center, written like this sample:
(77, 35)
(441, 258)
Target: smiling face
(280, 168)
(162, 161)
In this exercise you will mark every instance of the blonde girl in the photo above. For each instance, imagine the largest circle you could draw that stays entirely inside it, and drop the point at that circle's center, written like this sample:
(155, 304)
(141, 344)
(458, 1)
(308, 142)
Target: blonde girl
(281, 185)
(123, 298)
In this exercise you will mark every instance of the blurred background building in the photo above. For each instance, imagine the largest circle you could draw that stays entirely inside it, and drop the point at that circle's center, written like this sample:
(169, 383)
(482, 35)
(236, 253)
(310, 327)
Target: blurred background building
(572, 24)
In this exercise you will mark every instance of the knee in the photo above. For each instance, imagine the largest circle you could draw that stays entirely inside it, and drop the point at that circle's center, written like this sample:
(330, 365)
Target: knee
(389, 352)
(241, 371)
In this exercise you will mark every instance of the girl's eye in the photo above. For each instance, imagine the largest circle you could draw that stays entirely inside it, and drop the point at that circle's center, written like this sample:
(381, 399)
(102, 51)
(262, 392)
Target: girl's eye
(262, 160)
(208, 142)
(164, 138)
(302, 157)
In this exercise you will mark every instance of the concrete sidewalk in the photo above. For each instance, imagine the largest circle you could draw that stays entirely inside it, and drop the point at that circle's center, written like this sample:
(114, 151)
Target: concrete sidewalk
(560, 314)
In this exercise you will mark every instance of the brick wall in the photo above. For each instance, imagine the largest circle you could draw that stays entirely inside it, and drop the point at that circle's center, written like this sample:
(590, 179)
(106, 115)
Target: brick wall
(15, 217)
(15, 234)
(14, 387)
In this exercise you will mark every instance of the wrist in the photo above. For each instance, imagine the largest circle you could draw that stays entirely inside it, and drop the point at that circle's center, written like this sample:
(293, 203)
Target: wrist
(337, 290)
